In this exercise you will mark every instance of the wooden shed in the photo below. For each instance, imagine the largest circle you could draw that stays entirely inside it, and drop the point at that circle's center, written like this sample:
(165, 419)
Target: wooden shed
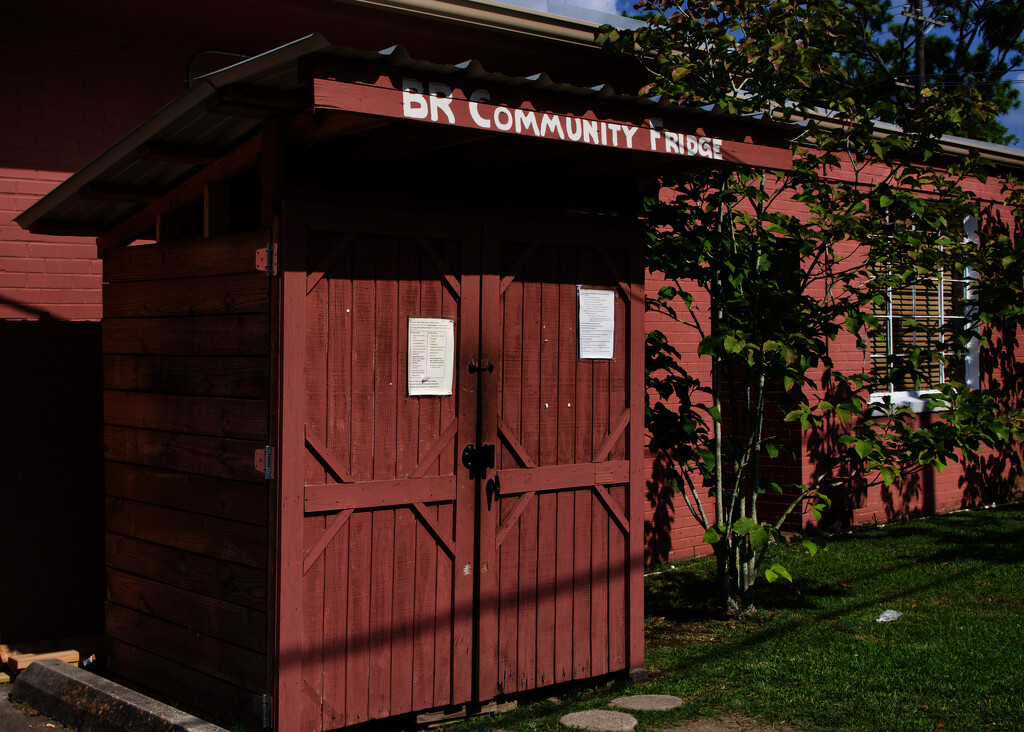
(373, 381)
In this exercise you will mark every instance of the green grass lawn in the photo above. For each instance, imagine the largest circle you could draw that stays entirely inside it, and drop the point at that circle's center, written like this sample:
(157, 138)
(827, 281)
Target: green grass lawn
(814, 655)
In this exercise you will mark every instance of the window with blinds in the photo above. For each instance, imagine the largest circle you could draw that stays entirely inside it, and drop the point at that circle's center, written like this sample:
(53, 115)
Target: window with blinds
(920, 316)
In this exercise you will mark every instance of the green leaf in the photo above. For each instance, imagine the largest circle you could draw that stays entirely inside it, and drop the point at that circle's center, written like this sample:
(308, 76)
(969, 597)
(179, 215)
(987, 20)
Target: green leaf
(744, 525)
(731, 344)
(713, 535)
(888, 476)
(776, 571)
(864, 447)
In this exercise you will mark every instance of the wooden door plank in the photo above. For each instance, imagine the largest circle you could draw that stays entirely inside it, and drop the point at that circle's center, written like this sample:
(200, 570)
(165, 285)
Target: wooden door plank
(431, 629)
(468, 254)
(600, 578)
(337, 445)
(547, 507)
(529, 556)
(508, 594)
(618, 597)
(357, 657)
(424, 597)
(338, 431)
(561, 477)
(361, 525)
(378, 493)
(403, 611)
(382, 571)
(316, 532)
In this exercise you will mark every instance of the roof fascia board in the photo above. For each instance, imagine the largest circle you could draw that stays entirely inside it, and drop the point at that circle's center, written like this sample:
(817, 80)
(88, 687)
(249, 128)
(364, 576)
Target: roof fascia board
(494, 16)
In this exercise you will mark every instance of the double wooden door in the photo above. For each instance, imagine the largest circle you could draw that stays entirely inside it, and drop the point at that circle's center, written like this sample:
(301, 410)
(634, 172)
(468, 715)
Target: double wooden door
(426, 583)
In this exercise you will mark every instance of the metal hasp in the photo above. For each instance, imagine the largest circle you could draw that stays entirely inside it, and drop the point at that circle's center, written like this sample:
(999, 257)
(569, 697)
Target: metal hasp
(478, 459)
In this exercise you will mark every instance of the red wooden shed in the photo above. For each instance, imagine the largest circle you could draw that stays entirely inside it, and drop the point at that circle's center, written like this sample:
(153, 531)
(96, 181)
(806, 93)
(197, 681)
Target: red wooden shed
(373, 381)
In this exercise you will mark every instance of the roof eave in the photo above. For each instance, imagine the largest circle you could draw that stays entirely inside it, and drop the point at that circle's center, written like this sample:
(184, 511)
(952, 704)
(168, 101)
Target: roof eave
(494, 16)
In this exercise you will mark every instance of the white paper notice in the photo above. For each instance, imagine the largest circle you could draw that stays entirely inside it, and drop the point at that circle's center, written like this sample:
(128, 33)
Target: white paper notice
(431, 356)
(597, 323)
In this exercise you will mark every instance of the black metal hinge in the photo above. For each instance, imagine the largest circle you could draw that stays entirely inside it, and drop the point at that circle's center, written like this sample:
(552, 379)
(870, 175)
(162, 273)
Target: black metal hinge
(266, 259)
(268, 708)
(263, 461)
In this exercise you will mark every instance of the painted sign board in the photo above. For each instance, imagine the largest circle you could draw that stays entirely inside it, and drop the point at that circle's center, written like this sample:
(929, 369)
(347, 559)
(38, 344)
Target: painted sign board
(501, 109)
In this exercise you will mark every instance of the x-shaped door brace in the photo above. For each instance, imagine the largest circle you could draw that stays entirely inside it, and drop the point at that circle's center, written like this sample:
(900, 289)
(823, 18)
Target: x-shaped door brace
(597, 475)
(348, 494)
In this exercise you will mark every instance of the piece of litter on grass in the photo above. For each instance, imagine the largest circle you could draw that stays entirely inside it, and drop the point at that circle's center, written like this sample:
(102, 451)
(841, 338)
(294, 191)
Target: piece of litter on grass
(888, 616)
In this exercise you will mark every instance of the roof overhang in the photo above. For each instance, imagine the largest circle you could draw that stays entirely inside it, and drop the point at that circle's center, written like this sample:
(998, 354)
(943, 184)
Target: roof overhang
(374, 89)
(569, 24)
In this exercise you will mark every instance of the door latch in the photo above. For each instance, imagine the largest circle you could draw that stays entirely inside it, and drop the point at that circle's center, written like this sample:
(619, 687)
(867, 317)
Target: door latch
(478, 459)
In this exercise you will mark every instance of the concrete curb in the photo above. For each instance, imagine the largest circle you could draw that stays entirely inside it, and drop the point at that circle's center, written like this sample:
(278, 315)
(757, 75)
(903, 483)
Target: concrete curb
(90, 703)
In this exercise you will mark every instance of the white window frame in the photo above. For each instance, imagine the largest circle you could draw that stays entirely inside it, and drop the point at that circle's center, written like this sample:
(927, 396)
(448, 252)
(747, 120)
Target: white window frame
(917, 400)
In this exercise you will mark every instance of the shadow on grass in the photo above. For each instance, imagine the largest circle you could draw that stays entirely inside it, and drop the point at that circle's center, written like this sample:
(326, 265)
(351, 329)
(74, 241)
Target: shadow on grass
(850, 584)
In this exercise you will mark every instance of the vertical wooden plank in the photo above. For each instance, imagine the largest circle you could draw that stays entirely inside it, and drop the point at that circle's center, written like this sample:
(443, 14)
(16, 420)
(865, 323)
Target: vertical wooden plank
(407, 529)
(636, 452)
(549, 454)
(429, 654)
(589, 437)
(568, 359)
(508, 610)
(536, 365)
(618, 550)
(338, 433)
(528, 557)
(383, 452)
(291, 344)
(547, 510)
(467, 495)
(313, 526)
(360, 556)
(453, 626)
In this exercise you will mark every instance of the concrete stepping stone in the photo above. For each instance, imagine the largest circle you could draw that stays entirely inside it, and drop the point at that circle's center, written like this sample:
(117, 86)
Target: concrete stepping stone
(599, 720)
(647, 702)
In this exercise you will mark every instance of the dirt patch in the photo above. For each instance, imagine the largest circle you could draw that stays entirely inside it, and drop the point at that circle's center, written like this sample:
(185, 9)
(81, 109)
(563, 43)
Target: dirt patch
(731, 723)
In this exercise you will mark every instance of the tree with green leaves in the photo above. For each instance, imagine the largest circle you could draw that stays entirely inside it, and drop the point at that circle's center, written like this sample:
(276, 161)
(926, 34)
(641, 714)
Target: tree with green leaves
(777, 271)
(901, 50)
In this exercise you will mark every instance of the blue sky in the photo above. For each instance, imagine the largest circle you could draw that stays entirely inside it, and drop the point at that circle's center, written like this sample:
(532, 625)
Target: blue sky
(1014, 120)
